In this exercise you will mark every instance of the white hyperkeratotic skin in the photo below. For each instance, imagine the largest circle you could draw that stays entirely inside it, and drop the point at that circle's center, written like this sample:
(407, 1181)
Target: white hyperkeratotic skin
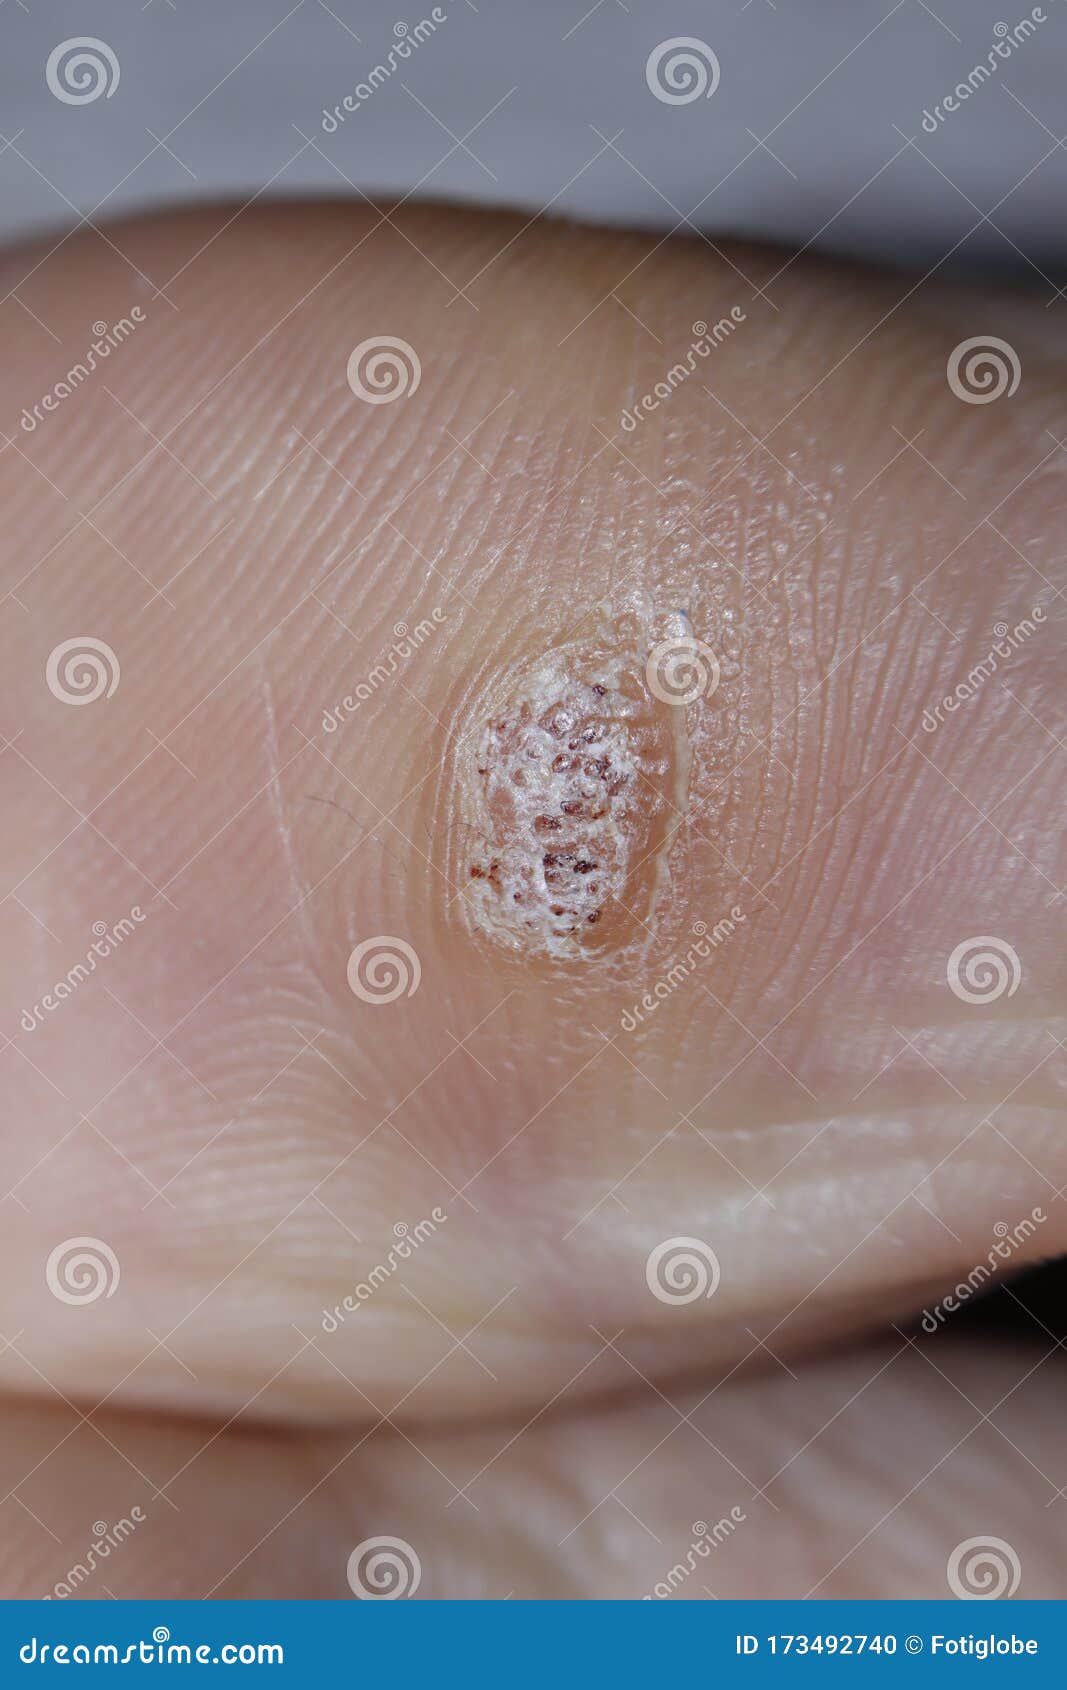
(571, 784)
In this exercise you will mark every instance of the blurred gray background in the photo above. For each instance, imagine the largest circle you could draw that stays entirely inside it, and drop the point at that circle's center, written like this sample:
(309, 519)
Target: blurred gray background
(814, 133)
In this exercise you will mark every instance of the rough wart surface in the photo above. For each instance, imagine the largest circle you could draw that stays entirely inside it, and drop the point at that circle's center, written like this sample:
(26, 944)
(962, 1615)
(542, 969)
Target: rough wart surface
(567, 790)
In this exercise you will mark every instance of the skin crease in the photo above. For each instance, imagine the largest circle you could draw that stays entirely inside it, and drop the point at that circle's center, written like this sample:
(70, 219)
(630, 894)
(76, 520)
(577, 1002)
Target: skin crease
(814, 1102)
(254, 1513)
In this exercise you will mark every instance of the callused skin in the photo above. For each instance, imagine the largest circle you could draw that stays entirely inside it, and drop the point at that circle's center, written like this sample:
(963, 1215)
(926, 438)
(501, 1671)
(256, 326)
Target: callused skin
(761, 1051)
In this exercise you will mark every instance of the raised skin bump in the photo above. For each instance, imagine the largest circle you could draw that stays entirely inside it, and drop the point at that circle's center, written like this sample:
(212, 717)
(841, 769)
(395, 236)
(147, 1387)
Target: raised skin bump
(567, 781)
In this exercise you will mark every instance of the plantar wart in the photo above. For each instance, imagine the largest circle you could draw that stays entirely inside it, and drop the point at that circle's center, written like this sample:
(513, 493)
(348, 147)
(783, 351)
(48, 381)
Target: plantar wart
(564, 805)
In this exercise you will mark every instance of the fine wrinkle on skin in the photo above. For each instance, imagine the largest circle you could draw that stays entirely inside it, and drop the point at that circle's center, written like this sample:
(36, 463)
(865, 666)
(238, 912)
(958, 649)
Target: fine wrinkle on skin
(282, 820)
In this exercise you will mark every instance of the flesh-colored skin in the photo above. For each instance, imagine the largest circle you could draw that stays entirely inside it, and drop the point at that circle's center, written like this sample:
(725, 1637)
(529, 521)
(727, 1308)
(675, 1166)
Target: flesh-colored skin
(856, 1479)
(812, 1101)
